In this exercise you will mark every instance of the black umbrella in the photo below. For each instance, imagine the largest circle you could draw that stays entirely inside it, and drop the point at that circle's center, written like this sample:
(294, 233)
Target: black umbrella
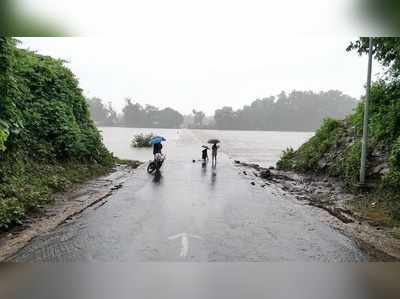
(213, 141)
(205, 146)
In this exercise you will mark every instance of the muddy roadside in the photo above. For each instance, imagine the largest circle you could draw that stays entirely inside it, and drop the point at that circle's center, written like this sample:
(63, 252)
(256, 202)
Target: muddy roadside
(65, 206)
(329, 195)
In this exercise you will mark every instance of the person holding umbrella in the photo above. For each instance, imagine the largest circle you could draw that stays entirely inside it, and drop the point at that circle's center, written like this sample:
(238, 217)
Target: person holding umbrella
(214, 150)
(157, 147)
(204, 153)
(159, 158)
(156, 142)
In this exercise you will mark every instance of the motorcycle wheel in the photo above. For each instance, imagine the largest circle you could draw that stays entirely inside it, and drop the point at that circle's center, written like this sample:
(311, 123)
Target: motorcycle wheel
(151, 167)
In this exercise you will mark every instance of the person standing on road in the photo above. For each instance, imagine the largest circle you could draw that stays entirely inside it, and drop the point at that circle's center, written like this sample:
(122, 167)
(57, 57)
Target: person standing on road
(214, 150)
(157, 147)
(204, 154)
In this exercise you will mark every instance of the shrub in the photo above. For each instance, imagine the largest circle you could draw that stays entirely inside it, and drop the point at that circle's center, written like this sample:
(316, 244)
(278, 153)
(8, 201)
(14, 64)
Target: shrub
(142, 140)
(11, 212)
(306, 158)
(47, 139)
(392, 179)
(3, 138)
(351, 162)
(394, 158)
(286, 161)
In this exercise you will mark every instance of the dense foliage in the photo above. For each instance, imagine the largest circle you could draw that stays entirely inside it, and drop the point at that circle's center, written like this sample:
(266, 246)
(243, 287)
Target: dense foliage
(336, 147)
(386, 50)
(297, 111)
(47, 138)
(10, 117)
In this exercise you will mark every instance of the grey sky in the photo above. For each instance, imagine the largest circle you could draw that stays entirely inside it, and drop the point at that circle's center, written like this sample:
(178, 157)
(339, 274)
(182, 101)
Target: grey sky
(203, 55)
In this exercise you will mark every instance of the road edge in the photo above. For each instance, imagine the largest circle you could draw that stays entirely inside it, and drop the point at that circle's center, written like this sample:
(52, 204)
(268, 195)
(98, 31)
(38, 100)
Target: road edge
(375, 242)
(65, 206)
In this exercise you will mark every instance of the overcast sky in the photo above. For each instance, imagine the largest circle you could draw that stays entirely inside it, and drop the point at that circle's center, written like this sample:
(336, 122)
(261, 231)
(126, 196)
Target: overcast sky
(203, 55)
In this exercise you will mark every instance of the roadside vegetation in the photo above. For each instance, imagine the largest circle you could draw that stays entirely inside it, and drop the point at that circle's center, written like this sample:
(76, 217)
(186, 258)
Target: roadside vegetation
(335, 149)
(142, 140)
(47, 138)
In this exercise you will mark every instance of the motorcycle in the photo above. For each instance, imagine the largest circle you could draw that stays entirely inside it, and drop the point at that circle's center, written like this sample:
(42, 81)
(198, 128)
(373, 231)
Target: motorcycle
(155, 165)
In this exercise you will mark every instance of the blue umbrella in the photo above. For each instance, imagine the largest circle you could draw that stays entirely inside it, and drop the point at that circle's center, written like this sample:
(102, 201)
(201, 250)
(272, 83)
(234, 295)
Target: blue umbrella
(157, 139)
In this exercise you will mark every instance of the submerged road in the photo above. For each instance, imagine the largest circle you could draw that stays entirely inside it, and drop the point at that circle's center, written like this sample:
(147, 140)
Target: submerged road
(193, 213)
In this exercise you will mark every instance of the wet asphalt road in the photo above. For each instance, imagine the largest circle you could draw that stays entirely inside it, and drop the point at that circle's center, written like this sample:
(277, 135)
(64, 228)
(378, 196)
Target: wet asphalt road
(193, 213)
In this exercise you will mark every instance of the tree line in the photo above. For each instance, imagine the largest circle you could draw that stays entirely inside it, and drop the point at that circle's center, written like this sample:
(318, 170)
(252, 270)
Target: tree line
(134, 115)
(295, 111)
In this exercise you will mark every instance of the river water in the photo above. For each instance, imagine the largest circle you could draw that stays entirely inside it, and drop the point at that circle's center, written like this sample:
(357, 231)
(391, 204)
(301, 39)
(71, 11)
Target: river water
(261, 147)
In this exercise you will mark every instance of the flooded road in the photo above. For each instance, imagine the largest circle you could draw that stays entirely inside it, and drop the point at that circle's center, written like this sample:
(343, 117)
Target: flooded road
(193, 213)
(261, 147)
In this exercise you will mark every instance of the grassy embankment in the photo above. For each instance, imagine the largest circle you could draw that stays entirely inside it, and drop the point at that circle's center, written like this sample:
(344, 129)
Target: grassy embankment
(47, 138)
(335, 148)
(335, 151)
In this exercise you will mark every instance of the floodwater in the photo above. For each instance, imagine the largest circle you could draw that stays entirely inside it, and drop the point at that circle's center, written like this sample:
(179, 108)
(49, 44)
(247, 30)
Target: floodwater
(261, 147)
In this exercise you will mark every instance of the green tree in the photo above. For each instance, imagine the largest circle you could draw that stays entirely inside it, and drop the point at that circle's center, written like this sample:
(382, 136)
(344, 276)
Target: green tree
(10, 116)
(134, 115)
(169, 118)
(112, 116)
(385, 49)
(225, 118)
(198, 117)
(98, 111)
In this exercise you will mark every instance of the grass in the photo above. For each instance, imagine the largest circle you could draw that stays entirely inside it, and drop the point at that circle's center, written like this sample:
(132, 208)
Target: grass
(377, 208)
(28, 186)
(307, 157)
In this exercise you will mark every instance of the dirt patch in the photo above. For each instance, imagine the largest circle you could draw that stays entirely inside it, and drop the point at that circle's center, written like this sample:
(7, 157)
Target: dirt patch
(66, 205)
(373, 237)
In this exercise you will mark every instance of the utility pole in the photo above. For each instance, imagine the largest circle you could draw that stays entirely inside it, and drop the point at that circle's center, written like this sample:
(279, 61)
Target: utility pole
(364, 142)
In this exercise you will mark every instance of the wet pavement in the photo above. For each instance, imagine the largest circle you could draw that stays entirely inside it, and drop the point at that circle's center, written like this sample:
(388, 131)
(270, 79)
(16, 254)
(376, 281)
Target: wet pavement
(193, 213)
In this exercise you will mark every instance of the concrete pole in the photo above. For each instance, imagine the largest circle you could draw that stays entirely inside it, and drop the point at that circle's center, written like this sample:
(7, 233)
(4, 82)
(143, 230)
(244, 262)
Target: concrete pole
(364, 141)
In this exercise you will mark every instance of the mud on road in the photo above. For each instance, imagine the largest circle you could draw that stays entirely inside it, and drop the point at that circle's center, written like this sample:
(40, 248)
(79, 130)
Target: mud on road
(330, 196)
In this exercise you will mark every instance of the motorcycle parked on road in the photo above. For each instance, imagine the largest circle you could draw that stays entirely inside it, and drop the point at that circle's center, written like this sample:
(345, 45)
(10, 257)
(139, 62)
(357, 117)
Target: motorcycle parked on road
(155, 165)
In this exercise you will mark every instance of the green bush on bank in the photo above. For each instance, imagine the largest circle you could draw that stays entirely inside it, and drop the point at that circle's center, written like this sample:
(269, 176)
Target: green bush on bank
(306, 158)
(142, 140)
(338, 143)
(47, 138)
